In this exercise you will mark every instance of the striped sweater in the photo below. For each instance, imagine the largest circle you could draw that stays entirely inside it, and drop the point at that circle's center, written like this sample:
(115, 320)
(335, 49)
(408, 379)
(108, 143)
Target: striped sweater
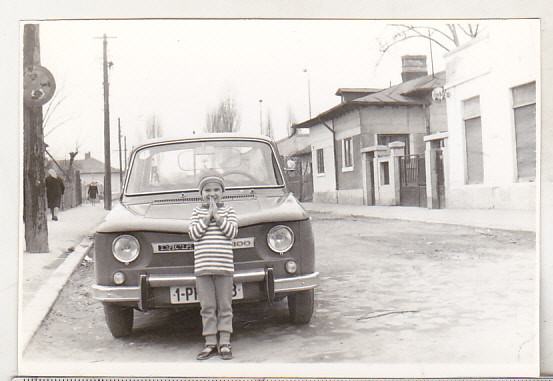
(213, 244)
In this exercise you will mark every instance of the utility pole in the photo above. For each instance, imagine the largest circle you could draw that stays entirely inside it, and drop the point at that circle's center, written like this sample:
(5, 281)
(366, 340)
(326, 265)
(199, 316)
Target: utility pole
(431, 55)
(125, 140)
(120, 160)
(308, 91)
(260, 117)
(107, 152)
(34, 196)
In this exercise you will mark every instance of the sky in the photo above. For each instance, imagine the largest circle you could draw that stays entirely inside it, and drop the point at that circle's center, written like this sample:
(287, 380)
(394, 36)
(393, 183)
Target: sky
(179, 70)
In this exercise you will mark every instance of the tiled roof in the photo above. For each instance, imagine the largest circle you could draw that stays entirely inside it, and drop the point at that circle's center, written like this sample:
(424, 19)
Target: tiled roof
(404, 93)
(399, 94)
(87, 165)
(342, 90)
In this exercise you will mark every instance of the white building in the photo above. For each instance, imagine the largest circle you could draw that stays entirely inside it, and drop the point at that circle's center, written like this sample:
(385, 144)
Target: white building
(491, 112)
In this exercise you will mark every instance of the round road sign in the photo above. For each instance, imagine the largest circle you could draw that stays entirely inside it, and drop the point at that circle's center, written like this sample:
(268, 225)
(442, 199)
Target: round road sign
(38, 86)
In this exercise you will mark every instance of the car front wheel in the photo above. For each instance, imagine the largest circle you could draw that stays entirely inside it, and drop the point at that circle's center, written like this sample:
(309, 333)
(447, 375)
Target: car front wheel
(301, 306)
(119, 319)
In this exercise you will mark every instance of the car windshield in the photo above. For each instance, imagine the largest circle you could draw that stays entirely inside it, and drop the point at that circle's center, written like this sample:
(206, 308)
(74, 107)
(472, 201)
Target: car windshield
(179, 166)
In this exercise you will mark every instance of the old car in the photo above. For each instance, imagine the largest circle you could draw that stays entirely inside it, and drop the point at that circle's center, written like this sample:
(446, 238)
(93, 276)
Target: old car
(144, 257)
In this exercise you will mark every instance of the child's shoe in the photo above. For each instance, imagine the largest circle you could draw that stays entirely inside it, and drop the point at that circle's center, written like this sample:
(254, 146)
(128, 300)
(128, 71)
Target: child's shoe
(225, 352)
(207, 352)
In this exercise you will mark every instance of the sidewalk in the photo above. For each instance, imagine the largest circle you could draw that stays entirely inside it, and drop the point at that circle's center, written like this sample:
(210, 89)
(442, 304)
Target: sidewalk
(43, 275)
(522, 220)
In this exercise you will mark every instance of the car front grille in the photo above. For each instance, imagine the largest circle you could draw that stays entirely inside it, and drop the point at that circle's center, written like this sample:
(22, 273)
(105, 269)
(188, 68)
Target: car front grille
(187, 200)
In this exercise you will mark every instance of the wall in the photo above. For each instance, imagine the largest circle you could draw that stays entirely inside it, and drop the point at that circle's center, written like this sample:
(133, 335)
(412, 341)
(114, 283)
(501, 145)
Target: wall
(324, 185)
(437, 112)
(395, 120)
(489, 67)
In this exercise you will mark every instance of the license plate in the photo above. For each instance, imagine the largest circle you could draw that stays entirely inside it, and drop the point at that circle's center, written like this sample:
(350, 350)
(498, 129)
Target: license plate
(189, 294)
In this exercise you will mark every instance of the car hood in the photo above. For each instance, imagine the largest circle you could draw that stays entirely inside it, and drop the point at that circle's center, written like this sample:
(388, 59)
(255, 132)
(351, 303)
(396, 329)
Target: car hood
(174, 217)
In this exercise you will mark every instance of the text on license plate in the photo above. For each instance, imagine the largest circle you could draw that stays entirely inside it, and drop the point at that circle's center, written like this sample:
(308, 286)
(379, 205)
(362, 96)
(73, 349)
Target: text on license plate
(189, 294)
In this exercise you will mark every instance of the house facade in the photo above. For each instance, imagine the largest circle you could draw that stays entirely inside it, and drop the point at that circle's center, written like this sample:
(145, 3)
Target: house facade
(352, 142)
(92, 170)
(491, 98)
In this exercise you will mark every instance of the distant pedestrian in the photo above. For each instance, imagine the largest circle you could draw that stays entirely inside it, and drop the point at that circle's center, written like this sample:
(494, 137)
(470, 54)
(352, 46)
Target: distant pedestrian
(54, 191)
(212, 227)
(92, 193)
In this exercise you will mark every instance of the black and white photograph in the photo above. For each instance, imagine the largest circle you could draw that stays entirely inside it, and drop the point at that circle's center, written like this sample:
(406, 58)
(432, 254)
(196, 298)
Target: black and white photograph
(290, 197)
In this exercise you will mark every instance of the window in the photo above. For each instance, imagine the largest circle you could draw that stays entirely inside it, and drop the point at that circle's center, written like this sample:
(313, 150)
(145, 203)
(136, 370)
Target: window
(473, 140)
(384, 173)
(347, 156)
(320, 161)
(385, 139)
(524, 108)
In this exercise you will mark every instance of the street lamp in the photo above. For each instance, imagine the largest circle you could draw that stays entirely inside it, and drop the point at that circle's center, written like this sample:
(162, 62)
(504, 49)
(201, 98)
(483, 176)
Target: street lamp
(308, 91)
(260, 116)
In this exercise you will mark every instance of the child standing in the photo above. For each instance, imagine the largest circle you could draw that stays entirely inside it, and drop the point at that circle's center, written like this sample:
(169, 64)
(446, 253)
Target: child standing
(212, 227)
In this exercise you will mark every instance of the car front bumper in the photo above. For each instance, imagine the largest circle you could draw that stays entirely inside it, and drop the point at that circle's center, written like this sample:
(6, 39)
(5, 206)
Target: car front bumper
(138, 294)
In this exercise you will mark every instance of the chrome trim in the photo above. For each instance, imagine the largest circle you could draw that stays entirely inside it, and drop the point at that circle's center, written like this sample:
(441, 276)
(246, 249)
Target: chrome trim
(269, 142)
(188, 246)
(167, 280)
(278, 227)
(116, 293)
(132, 293)
(297, 283)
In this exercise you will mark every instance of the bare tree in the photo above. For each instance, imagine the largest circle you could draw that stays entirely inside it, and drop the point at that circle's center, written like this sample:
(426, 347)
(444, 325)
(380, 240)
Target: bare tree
(153, 127)
(224, 118)
(52, 119)
(447, 37)
(291, 119)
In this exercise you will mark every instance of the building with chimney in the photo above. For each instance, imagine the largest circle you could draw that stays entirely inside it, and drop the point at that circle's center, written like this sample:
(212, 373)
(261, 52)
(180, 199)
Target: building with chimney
(491, 97)
(358, 146)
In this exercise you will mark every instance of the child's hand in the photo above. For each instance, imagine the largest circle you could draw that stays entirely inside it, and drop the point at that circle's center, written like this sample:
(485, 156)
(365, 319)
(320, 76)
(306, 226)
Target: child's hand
(215, 215)
(212, 209)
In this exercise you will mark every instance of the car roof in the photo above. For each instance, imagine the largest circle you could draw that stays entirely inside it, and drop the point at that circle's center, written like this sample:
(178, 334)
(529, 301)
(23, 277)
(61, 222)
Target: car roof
(206, 136)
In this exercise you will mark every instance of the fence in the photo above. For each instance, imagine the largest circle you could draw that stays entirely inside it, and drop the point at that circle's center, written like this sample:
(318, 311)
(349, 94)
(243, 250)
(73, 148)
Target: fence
(72, 196)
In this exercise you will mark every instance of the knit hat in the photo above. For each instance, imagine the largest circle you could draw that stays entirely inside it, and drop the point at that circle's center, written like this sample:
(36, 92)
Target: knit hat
(211, 177)
(52, 173)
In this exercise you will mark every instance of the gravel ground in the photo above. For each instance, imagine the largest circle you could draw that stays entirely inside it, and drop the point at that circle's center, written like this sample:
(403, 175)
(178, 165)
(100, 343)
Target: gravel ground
(391, 292)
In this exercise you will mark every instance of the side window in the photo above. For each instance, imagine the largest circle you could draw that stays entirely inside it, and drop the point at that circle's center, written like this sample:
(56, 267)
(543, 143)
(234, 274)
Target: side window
(473, 140)
(320, 161)
(347, 153)
(524, 109)
(384, 173)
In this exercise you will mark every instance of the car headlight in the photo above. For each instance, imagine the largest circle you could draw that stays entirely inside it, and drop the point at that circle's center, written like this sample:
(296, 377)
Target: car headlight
(280, 239)
(125, 248)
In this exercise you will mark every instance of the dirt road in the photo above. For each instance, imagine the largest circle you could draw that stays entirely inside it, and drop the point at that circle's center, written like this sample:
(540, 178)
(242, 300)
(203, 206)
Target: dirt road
(391, 292)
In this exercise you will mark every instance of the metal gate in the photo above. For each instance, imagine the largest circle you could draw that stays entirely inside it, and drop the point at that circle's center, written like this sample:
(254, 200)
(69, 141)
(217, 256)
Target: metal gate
(412, 177)
(440, 176)
(300, 181)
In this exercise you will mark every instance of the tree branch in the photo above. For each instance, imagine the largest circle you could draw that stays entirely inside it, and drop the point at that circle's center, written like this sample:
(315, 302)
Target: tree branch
(419, 35)
(410, 27)
(453, 33)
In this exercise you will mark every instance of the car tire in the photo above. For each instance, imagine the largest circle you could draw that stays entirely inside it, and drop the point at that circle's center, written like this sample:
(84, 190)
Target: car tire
(301, 305)
(119, 319)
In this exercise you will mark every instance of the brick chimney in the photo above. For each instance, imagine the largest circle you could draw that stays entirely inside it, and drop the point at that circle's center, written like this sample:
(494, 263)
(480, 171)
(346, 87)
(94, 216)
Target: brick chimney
(413, 67)
(87, 155)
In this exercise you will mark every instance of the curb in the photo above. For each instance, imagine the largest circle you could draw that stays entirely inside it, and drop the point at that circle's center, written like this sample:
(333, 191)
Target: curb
(41, 304)
(424, 220)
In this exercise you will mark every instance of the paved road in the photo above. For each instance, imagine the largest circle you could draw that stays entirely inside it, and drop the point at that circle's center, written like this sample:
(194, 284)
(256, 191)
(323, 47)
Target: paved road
(391, 292)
